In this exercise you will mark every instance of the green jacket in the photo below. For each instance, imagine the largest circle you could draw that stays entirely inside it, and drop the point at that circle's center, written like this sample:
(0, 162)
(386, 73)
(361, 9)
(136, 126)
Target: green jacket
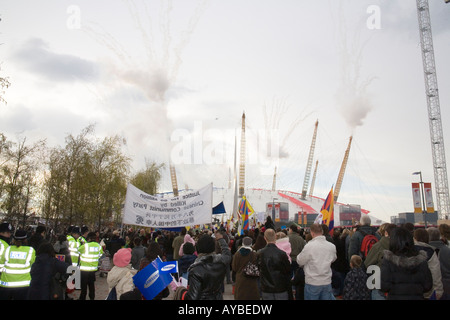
(297, 244)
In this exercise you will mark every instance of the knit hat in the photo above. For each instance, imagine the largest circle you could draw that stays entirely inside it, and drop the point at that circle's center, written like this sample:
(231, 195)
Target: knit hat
(206, 244)
(247, 242)
(122, 257)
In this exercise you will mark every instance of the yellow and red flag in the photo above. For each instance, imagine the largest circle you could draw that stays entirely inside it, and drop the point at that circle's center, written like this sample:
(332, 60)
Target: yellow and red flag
(326, 215)
(245, 210)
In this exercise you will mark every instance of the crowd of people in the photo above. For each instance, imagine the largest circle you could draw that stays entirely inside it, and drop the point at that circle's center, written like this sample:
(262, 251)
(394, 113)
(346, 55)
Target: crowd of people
(263, 263)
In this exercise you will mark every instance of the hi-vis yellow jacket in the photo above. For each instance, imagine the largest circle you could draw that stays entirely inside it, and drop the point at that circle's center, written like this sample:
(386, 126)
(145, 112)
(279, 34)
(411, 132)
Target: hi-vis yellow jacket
(90, 253)
(74, 245)
(17, 266)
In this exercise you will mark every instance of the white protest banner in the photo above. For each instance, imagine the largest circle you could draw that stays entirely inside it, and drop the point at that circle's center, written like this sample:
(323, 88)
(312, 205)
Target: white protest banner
(188, 209)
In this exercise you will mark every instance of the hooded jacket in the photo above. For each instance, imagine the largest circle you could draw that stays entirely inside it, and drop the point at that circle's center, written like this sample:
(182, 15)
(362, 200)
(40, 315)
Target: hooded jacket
(43, 269)
(435, 268)
(405, 278)
(285, 245)
(444, 258)
(122, 279)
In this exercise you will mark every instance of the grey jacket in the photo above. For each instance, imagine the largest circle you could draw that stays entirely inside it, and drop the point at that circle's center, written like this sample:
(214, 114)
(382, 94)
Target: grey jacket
(444, 259)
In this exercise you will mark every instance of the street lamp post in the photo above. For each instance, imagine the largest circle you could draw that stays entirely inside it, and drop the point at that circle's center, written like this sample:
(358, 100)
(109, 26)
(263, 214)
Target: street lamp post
(273, 208)
(423, 197)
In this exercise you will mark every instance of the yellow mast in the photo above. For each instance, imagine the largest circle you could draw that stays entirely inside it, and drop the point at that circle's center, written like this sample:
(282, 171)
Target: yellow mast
(311, 190)
(337, 188)
(274, 183)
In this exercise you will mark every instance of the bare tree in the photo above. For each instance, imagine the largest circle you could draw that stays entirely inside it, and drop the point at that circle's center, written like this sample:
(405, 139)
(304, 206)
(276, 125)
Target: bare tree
(20, 178)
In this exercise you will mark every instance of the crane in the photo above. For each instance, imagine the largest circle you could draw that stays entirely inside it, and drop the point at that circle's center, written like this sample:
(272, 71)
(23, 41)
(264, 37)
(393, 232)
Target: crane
(434, 110)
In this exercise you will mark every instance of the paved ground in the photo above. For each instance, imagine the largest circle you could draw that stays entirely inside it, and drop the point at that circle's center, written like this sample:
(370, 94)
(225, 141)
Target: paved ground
(101, 290)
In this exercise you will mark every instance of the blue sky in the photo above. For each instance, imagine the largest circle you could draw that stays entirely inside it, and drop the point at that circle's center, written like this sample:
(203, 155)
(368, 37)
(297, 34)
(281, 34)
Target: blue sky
(177, 75)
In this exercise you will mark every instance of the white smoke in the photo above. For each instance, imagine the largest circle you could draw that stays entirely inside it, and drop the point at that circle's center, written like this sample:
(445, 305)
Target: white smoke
(353, 98)
(144, 119)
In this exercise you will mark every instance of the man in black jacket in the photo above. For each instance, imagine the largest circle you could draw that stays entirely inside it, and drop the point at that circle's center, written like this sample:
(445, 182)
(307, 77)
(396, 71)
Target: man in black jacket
(207, 273)
(275, 270)
(37, 238)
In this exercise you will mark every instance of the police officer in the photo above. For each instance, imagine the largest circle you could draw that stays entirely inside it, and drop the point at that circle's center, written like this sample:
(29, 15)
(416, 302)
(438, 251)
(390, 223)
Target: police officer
(90, 254)
(74, 244)
(17, 259)
(5, 238)
(84, 231)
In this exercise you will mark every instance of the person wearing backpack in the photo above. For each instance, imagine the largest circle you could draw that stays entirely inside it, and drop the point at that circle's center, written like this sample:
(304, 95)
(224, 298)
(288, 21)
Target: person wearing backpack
(363, 239)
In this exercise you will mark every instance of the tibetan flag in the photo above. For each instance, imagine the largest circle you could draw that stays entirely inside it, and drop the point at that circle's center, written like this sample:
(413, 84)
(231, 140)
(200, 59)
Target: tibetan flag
(245, 210)
(327, 211)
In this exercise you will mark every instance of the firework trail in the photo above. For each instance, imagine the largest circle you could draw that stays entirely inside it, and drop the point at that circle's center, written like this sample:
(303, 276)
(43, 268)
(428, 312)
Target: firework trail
(146, 124)
(353, 99)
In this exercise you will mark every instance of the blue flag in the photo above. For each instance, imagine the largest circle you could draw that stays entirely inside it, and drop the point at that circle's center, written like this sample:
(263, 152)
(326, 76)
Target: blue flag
(168, 267)
(219, 209)
(150, 281)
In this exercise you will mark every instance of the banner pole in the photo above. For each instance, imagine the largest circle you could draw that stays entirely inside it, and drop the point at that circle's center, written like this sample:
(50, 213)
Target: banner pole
(212, 192)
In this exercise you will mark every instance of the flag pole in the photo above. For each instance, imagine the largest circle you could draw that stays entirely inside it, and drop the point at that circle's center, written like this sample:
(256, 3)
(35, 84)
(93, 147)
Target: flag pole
(234, 213)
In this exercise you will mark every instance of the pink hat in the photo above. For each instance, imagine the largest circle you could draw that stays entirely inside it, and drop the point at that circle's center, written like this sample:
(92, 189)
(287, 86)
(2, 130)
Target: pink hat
(122, 257)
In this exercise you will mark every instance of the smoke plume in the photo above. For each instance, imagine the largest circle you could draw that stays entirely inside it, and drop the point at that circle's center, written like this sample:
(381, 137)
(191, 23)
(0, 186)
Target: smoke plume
(352, 97)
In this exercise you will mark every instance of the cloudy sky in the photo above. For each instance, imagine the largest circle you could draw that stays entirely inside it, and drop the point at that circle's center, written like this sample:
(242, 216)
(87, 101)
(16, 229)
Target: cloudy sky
(174, 77)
